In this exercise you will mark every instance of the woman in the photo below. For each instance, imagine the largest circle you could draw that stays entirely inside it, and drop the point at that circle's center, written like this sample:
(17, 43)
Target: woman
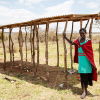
(84, 57)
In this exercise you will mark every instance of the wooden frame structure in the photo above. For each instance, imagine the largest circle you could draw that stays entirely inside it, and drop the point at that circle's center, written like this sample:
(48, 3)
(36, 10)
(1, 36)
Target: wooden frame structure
(34, 31)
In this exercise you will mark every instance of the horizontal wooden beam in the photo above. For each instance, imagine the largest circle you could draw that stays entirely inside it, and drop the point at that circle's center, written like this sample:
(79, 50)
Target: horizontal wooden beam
(71, 17)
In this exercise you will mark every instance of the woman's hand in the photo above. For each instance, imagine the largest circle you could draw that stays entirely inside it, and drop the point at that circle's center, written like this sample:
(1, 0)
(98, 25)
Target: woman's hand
(64, 35)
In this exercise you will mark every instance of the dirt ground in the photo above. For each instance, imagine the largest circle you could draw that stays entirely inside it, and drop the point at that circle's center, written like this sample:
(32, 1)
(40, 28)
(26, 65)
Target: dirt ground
(56, 74)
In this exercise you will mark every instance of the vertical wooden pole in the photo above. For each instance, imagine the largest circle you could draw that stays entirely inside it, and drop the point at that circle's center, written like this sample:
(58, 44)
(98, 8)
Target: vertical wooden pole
(2, 35)
(33, 41)
(11, 50)
(37, 47)
(86, 24)
(12, 55)
(99, 52)
(90, 30)
(80, 24)
(46, 42)
(57, 45)
(26, 42)
(20, 45)
(10, 47)
(31, 44)
(65, 56)
(71, 47)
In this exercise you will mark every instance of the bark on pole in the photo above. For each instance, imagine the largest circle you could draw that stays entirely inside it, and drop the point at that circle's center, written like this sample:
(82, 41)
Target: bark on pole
(65, 57)
(71, 47)
(37, 49)
(33, 41)
(10, 47)
(12, 55)
(20, 45)
(46, 42)
(90, 30)
(31, 44)
(86, 24)
(37, 45)
(26, 43)
(2, 35)
(57, 45)
(99, 52)
(80, 24)
(11, 50)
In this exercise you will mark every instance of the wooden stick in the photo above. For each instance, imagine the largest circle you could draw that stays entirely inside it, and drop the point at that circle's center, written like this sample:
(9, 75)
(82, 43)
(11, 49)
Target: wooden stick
(80, 24)
(99, 52)
(65, 56)
(46, 42)
(71, 47)
(12, 55)
(2, 35)
(86, 24)
(26, 43)
(21, 44)
(90, 30)
(10, 47)
(11, 50)
(34, 45)
(37, 47)
(31, 44)
(57, 45)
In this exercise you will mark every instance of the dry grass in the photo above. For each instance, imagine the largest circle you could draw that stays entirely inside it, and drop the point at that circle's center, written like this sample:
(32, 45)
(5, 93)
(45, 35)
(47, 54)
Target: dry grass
(28, 88)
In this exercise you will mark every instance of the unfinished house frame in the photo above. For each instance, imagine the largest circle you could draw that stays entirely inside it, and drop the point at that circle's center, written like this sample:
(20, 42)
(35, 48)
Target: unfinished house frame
(34, 31)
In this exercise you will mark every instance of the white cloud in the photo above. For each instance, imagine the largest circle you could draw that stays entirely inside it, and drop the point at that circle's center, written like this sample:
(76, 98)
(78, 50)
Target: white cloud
(61, 9)
(21, 1)
(41, 5)
(92, 5)
(9, 16)
(3, 2)
(81, 1)
(28, 2)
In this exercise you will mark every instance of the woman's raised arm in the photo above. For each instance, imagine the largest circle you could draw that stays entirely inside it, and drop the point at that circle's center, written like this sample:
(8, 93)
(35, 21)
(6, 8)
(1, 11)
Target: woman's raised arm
(71, 42)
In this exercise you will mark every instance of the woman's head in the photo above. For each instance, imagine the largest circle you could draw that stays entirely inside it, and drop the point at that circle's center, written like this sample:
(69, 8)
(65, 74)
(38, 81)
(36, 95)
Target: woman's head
(82, 32)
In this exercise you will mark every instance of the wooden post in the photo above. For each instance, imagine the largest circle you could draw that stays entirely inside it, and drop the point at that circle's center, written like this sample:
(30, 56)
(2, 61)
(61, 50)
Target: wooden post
(99, 52)
(2, 35)
(31, 44)
(57, 45)
(46, 42)
(10, 47)
(71, 47)
(26, 42)
(20, 46)
(90, 30)
(86, 24)
(65, 57)
(80, 24)
(33, 41)
(37, 49)
(11, 50)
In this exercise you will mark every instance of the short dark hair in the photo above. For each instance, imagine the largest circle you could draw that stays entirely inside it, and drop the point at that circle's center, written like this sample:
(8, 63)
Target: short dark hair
(82, 29)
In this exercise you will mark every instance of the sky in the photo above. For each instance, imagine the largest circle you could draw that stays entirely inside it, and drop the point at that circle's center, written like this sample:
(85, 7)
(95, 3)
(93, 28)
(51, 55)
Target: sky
(16, 11)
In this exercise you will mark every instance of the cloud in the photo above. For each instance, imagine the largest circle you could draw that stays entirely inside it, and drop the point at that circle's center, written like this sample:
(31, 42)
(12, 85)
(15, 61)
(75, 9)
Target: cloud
(28, 2)
(3, 2)
(81, 1)
(92, 5)
(21, 1)
(61, 9)
(10, 16)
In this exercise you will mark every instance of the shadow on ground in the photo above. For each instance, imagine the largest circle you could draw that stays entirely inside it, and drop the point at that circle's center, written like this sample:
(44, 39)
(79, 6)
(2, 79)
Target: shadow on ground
(56, 75)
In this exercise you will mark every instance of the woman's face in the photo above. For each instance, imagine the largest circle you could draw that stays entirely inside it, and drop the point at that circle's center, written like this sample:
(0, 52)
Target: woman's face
(82, 34)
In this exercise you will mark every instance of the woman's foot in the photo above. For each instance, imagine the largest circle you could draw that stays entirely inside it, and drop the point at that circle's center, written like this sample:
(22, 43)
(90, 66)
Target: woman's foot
(83, 95)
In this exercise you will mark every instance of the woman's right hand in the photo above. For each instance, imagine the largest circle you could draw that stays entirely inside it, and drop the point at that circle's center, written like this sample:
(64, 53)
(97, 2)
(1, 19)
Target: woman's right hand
(64, 34)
